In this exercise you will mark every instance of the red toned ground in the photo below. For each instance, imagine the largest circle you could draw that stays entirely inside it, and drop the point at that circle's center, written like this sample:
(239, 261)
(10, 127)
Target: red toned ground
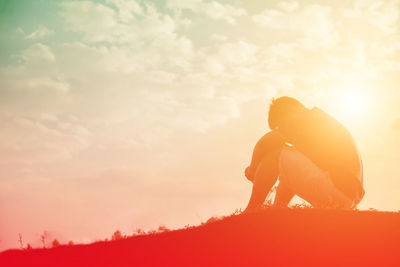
(272, 237)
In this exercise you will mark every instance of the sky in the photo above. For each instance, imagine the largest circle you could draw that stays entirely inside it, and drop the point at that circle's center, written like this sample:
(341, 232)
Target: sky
(126, 114)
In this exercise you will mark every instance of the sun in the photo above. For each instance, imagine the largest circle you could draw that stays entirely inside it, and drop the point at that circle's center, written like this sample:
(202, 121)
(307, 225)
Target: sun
(354, 103)
(351, 104)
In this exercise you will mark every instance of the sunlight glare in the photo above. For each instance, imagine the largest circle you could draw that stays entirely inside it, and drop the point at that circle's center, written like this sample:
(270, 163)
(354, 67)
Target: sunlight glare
(351, 103)
(354, 103)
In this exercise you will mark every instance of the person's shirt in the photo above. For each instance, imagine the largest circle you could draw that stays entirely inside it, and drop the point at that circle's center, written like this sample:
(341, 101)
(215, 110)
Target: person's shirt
(330, 146)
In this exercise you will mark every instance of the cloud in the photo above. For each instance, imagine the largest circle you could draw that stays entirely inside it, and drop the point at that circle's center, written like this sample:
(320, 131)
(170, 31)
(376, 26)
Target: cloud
(288, 6)
(225, 12)
(238, 53)
(127, 9)
(95, 20)
(181, 5)
(35, 73)
(312, 22)
(212, 9)
(37, 53)
(219, 37)
(383, 14)
(46, 138)
(141, 26)
(45, 83)
(40, 32)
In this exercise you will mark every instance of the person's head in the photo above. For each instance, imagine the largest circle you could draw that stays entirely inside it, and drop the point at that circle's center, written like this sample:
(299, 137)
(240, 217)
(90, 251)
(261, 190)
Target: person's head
(283, 108)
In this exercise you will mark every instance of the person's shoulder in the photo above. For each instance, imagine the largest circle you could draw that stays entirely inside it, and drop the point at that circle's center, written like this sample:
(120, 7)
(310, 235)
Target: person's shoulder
(318, 111)
(319, 114)
(330, 123)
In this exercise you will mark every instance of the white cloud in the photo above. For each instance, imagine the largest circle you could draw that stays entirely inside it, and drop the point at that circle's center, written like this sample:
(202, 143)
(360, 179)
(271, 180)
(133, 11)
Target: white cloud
(147, 39)
(376, 16)
(45, 83)
(269, 18)
(238, 53)
(38, 52)
(188, 4)
(213, 65)
(32, 82)
(38, 73)
(212, 9)
(225, 12)
(45, 138)
(95, 20)
(40, 32)
(140, 26)
(384, 14)
(313, 22)
(219, 37)
(127, 9)
(288, 6)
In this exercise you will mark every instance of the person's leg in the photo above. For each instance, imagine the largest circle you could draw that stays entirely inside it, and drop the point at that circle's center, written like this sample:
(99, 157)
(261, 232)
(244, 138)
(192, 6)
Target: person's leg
(309, 182)
(283, 195)
(265, 177)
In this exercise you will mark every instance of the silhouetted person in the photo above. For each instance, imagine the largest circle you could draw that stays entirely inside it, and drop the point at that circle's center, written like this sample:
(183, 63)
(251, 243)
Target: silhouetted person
(314, 156)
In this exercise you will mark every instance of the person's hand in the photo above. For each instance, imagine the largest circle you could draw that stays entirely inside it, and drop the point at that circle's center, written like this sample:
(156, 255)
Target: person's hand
(249, 173)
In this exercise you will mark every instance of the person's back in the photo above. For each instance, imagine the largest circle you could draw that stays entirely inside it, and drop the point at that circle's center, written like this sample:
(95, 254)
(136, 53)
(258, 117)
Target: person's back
(330, 146)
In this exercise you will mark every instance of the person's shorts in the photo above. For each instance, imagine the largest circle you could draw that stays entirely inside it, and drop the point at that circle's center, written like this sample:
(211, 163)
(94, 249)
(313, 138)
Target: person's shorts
(300, 175)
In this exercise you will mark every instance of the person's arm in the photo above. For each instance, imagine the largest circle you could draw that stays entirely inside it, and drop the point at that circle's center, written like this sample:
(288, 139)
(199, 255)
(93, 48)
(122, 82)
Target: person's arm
(269, 142)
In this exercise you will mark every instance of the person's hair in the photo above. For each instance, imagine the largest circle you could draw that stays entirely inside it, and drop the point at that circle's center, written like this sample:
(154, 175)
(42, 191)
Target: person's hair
(280, 108)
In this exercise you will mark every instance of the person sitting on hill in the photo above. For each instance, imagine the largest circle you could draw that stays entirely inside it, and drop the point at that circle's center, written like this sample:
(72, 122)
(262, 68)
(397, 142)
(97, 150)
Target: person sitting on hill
(314, 156)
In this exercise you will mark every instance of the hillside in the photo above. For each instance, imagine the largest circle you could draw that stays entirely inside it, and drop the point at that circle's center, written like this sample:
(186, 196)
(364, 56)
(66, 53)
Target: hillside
(271, 237)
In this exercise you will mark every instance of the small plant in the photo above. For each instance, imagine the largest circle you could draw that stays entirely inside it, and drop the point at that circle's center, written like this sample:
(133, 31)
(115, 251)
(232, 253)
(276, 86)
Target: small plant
(43, 238)
(28, 246)
(302, 205)
(117, 235)
(70, 243)
(237, 212)
(152, 231)
(55, 243)
(139, 231)
(21, 244)
(163, 228)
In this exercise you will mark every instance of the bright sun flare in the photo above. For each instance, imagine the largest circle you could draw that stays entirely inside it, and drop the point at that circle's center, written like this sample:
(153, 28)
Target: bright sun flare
(354, 103)
(350, 104)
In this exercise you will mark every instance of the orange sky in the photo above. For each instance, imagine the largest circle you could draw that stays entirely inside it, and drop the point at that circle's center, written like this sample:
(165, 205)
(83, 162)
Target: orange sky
(120, 114)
